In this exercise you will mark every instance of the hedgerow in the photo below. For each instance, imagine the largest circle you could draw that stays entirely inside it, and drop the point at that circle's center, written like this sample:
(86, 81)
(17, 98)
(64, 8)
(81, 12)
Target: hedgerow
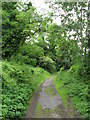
(19, 82)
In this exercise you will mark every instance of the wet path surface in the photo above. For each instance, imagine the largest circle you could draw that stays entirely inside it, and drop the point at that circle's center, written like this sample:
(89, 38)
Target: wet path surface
(48, 96)
(46, 103)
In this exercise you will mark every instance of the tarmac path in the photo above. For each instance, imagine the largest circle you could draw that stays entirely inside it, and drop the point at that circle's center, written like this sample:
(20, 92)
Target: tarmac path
(46, 103)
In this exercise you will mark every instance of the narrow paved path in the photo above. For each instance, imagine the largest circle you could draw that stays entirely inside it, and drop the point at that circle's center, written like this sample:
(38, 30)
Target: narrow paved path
(46, 103)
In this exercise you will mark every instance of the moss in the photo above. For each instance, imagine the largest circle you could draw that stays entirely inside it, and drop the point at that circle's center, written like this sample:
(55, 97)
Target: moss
(49, 91)
(62, 91)
(38, 109)
(43, 112)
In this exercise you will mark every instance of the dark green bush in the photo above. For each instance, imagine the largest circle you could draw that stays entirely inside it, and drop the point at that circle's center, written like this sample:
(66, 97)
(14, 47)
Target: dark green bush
(77, 89)
(47, 63)
(18, 85)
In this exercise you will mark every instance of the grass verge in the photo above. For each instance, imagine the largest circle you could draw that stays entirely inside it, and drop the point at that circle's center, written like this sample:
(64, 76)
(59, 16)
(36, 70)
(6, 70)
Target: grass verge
(72, 86)
(62, 91)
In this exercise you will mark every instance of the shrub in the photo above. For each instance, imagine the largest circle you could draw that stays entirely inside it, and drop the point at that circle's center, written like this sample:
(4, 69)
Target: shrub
(47, 63)
(18, 85)
(76, 88)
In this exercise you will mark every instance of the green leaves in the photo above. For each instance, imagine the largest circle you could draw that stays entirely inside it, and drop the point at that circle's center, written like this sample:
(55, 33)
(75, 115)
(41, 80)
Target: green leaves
(47, 63)
(67, 53)
(15, 27)
(76, 88)
(18, 85)
(31, 40)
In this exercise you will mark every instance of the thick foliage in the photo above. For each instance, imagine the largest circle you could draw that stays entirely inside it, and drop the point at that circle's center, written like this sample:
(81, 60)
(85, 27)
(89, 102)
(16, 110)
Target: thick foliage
(18, 84)
(33, 55)
(47, 63)
(30, 40)
(29, 54)
(16, 26)
(66, 53)
(75, 88)
(12, 35)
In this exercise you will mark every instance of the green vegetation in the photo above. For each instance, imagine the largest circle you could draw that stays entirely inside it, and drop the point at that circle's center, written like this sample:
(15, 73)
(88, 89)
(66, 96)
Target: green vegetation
(69, 84)
(38, 110)
(19, 82)
(49, 91)
(33, 44)
(62, 91)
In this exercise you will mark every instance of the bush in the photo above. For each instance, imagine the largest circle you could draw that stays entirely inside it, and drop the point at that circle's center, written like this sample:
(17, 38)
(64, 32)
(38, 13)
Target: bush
(75, 87)
(47, 63)
(25, 60)
(19, 82)
(75, 69)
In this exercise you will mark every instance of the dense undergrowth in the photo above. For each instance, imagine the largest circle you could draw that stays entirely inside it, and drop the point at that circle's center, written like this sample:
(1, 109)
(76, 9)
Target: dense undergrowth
(19, 82)
(70, 84)
(31, 41)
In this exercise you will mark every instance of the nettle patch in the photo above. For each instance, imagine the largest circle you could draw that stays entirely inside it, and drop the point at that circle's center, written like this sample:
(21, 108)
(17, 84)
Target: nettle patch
(18, 85)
